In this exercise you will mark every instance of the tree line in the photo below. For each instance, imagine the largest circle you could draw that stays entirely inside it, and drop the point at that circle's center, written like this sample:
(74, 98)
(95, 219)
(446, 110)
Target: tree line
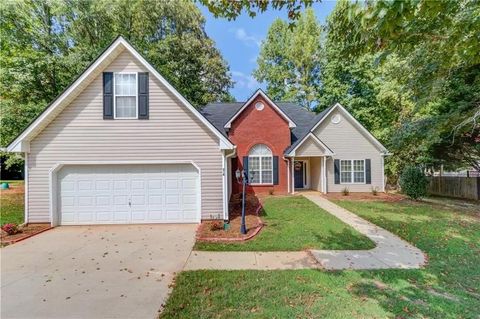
(407, 70)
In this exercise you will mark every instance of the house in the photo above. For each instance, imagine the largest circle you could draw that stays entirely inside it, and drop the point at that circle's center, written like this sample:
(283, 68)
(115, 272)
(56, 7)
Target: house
(121, 145)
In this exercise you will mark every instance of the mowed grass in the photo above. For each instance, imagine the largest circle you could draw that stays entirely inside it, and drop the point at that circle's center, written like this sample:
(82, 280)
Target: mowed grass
(12, 203)
(295, 223)
(448, 287)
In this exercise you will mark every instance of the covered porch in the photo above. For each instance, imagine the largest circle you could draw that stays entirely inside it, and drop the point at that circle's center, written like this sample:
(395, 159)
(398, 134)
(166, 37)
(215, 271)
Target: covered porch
(308, 173)
(308, 165)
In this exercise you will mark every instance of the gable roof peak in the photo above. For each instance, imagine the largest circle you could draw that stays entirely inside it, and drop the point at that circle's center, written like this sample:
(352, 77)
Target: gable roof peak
(260, 92)
(22, 142)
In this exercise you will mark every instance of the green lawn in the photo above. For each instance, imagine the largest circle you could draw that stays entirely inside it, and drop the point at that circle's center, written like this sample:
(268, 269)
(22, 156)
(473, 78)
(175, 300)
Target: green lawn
(294, 223)
(449, 287)
(11, 204)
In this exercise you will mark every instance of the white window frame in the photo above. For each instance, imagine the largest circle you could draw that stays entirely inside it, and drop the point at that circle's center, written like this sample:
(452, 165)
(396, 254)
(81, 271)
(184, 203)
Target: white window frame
(260, 165)
(352, 173)
(115, 97)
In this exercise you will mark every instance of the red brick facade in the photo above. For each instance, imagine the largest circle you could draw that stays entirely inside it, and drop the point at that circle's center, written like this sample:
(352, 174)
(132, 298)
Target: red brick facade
(267, 127)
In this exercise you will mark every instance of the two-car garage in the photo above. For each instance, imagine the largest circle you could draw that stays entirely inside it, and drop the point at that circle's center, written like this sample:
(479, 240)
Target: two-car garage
(127, 193)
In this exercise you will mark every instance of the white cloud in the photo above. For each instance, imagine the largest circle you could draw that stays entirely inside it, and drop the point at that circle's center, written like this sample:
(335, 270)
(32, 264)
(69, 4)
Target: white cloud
(246, 38)
(243, 80)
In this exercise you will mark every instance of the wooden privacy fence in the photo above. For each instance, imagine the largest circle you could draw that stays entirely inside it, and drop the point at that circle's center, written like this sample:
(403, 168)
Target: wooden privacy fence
(455, 186)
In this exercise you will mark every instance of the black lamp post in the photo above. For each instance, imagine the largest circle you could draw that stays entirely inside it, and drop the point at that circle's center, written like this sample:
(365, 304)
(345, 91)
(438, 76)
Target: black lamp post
(242, 178)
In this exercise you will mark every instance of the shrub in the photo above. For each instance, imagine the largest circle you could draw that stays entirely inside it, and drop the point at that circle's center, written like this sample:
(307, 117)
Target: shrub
(374, 191)
(413, 182)
(10, 229)
(345, 191)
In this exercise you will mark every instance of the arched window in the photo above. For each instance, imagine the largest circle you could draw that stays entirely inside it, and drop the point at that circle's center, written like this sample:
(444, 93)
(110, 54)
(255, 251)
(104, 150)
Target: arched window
(260, 165)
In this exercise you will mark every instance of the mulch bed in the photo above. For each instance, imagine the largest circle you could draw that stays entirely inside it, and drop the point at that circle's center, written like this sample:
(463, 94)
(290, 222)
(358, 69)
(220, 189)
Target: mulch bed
(384, 197)
(26, 232)
(212, 230)
(14, 189)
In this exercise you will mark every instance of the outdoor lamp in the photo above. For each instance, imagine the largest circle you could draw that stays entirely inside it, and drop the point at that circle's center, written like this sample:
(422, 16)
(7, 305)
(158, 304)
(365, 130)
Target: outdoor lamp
(238, 175)
(242, 179)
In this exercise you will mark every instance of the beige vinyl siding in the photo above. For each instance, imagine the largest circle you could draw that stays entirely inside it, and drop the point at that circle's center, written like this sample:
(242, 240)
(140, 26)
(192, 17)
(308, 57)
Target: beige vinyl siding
(347, 142)
(309, 147)
(79, 133)
(316, 173)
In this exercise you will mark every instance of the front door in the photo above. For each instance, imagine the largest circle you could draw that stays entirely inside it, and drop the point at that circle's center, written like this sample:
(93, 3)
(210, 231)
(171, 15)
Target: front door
(298, 169)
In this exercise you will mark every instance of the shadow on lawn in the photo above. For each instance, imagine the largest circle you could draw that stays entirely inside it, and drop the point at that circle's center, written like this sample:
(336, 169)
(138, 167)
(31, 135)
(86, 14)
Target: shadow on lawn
(347, 239)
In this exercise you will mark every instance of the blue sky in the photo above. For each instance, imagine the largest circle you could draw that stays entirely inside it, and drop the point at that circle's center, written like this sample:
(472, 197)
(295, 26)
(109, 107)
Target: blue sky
(239, 42)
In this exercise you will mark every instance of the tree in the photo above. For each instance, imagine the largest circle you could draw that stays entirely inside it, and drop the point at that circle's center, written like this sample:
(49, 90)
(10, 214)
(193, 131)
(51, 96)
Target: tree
(426, 54)
(232, 9)
(289, 60)
(45, 44)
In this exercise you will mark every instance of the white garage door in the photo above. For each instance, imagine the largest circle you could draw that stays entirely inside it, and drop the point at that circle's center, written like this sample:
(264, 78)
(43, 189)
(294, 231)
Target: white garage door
(122, 194)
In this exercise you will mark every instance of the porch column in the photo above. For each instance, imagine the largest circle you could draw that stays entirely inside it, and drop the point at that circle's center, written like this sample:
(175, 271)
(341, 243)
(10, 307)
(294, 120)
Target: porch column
(292, 164)
(324, 175)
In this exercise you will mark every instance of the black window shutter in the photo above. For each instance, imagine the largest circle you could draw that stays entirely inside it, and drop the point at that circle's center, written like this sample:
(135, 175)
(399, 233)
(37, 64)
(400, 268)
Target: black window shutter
(336, 165)
(368, 171)
(107, 95)
(143, 96)
(275, 170)
(245, 165)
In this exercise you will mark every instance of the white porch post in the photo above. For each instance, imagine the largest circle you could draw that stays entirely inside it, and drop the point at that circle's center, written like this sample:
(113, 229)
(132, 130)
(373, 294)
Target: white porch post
(293, 175)
(288, 174)
(324, 175)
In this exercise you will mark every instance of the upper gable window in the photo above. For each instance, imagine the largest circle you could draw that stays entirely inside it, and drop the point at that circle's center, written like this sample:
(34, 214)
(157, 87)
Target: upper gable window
(125, 96)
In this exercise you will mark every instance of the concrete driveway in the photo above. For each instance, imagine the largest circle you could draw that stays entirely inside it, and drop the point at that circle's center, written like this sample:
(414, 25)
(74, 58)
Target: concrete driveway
(113, 271)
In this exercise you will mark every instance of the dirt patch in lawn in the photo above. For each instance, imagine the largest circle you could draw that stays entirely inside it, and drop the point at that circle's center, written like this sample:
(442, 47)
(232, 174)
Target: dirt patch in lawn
(384, 197)
(213, 230)
(25, 232)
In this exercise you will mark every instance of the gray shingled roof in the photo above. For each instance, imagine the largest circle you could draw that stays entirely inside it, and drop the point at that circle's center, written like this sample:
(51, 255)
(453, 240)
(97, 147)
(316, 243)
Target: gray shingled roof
(219, 114)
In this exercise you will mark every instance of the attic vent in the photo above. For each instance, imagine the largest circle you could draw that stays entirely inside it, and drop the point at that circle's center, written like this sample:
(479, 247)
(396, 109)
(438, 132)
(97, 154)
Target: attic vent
(336, 119)
(259, 106)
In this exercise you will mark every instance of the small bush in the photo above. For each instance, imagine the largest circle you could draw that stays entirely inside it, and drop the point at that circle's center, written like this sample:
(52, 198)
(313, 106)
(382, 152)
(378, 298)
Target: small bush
(216, 225)
(413, 182)
(345, 191)
(10, 229)
(374, 191)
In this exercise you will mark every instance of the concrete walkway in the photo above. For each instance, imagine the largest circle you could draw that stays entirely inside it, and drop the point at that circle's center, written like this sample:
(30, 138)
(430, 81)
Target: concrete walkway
(390, 251)
(251, 260)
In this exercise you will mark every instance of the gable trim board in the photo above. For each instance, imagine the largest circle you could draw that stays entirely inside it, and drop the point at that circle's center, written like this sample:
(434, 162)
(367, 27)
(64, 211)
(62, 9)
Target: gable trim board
(316, 139)
(291, 123)
(21, 143)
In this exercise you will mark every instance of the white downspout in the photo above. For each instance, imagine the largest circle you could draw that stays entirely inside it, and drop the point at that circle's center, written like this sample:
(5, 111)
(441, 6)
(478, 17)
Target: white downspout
(25, 182)
(383, 173)
(225, 158)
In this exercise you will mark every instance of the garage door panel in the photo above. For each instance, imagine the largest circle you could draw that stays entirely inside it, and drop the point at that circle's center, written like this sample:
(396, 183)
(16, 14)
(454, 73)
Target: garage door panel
(103, 185)
(103, 216)
(103, 201)
(104, 194)
(120, 185)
